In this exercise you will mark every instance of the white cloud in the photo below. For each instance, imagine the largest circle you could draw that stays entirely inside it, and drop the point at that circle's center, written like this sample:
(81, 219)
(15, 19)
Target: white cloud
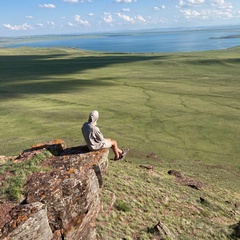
(191, 3)
(46, 5)
(76, 1)
(223, 14)
(208, 14)
(70, 24)
(140, 18)
(91, 14)
(107, 18)
(82, 1)
(29, 17)
(51, 24)
(126, 10)
(71, 1)
(219, 9)
(159, 8)
(221, 4)
(24, 26)
(126, 18)
(40, 25)
(125, 1)
(80, 21)
(191, 13)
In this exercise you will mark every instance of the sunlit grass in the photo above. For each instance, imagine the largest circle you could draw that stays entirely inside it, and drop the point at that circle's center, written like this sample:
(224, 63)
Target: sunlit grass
(184, 107)
(16, 174)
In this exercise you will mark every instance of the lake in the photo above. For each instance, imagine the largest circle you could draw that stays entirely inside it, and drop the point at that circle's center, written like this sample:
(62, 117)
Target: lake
(144, 41)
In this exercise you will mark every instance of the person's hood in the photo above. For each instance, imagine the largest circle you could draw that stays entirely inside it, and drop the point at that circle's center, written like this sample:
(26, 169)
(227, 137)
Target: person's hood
(93, 117)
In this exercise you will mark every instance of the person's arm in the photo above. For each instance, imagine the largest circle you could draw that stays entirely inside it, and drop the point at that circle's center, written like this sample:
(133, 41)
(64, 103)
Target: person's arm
(99, 135)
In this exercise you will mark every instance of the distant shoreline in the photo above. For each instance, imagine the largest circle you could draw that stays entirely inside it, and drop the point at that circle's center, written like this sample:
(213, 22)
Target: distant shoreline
(154, 41)
(226, 37)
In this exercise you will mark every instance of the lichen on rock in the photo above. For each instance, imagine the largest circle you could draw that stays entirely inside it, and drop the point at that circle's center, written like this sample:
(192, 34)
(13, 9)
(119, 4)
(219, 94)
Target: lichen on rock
(65, 198)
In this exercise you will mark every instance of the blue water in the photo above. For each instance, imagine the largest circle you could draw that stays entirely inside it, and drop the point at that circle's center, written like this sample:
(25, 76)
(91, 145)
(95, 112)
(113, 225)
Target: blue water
(145, 42)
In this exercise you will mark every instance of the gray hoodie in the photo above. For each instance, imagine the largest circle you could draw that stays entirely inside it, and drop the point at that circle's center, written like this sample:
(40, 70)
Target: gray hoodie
(91, 132)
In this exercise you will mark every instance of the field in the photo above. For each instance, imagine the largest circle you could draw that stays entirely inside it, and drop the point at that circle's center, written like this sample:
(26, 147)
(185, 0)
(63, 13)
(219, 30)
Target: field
(176, 111)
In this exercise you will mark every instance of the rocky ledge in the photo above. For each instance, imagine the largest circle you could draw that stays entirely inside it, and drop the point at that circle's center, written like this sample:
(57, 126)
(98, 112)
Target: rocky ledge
(61, 202)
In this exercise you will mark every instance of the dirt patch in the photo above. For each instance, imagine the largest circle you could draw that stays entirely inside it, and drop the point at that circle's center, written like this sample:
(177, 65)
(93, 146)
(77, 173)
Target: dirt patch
(154, 156)
(5, 208)
(190, 182)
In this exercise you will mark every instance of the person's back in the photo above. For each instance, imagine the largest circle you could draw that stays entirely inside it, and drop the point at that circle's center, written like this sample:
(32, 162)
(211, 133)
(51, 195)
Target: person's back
(91, 132)
(95, 140)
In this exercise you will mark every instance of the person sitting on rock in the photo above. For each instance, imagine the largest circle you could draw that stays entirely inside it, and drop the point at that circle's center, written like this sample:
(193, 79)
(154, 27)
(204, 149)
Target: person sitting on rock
(95, 140)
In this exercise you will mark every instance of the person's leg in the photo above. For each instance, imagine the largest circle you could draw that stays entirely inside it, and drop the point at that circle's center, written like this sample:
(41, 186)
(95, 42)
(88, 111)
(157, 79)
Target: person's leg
(117, 151)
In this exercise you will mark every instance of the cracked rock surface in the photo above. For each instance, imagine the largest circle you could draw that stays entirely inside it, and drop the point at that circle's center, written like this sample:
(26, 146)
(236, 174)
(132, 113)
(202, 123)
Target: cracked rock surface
(61, 203)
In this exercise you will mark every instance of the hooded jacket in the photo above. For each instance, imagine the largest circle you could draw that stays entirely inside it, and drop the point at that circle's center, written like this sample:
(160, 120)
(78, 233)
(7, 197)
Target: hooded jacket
(91, 133)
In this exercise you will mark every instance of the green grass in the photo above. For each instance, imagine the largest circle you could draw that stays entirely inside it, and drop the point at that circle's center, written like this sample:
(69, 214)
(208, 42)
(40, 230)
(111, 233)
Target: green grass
(16, 174)
(154, 196)
(183, 106)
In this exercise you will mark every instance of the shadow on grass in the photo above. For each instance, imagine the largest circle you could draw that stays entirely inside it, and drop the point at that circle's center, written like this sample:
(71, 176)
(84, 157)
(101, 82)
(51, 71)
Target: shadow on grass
(36, 74)
(236, 231)
(214, 61)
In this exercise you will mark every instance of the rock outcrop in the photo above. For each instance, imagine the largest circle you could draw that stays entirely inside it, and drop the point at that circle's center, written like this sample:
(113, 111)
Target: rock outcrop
(62, 202)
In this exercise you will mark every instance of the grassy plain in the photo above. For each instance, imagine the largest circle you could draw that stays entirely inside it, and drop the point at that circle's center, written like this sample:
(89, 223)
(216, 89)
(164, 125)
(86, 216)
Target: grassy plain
(183, 107)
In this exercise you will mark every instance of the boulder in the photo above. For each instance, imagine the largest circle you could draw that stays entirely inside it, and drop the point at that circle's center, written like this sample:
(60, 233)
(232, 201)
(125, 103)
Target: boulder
(28, 221)
(62, 202)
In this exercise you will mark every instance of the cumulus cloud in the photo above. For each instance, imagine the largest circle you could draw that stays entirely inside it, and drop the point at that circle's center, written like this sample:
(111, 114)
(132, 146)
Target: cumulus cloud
(126, 10)
(91, 14)
(191, 13)
(82, 1)
(140, 18)
(221, 4)
(29, 17)
(70, 24)
(191, 3)
(126, 18)
(71, 1)
(47, 5)
(125, 1)
(80, 21)
(24, 26)
(76, 1)
(159, 8)
(220, 9)
(223, 14)
(208, 13)
(129, 19)
(40, 25)
(107, 18)
(51, 24)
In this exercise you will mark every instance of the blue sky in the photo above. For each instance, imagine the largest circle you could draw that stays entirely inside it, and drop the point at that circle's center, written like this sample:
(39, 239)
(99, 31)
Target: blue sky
(33, 17)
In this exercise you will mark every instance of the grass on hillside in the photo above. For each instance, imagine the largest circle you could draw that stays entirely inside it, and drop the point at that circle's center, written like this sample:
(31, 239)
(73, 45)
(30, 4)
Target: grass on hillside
(147, 197)
(183, 106)
(16, 173)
